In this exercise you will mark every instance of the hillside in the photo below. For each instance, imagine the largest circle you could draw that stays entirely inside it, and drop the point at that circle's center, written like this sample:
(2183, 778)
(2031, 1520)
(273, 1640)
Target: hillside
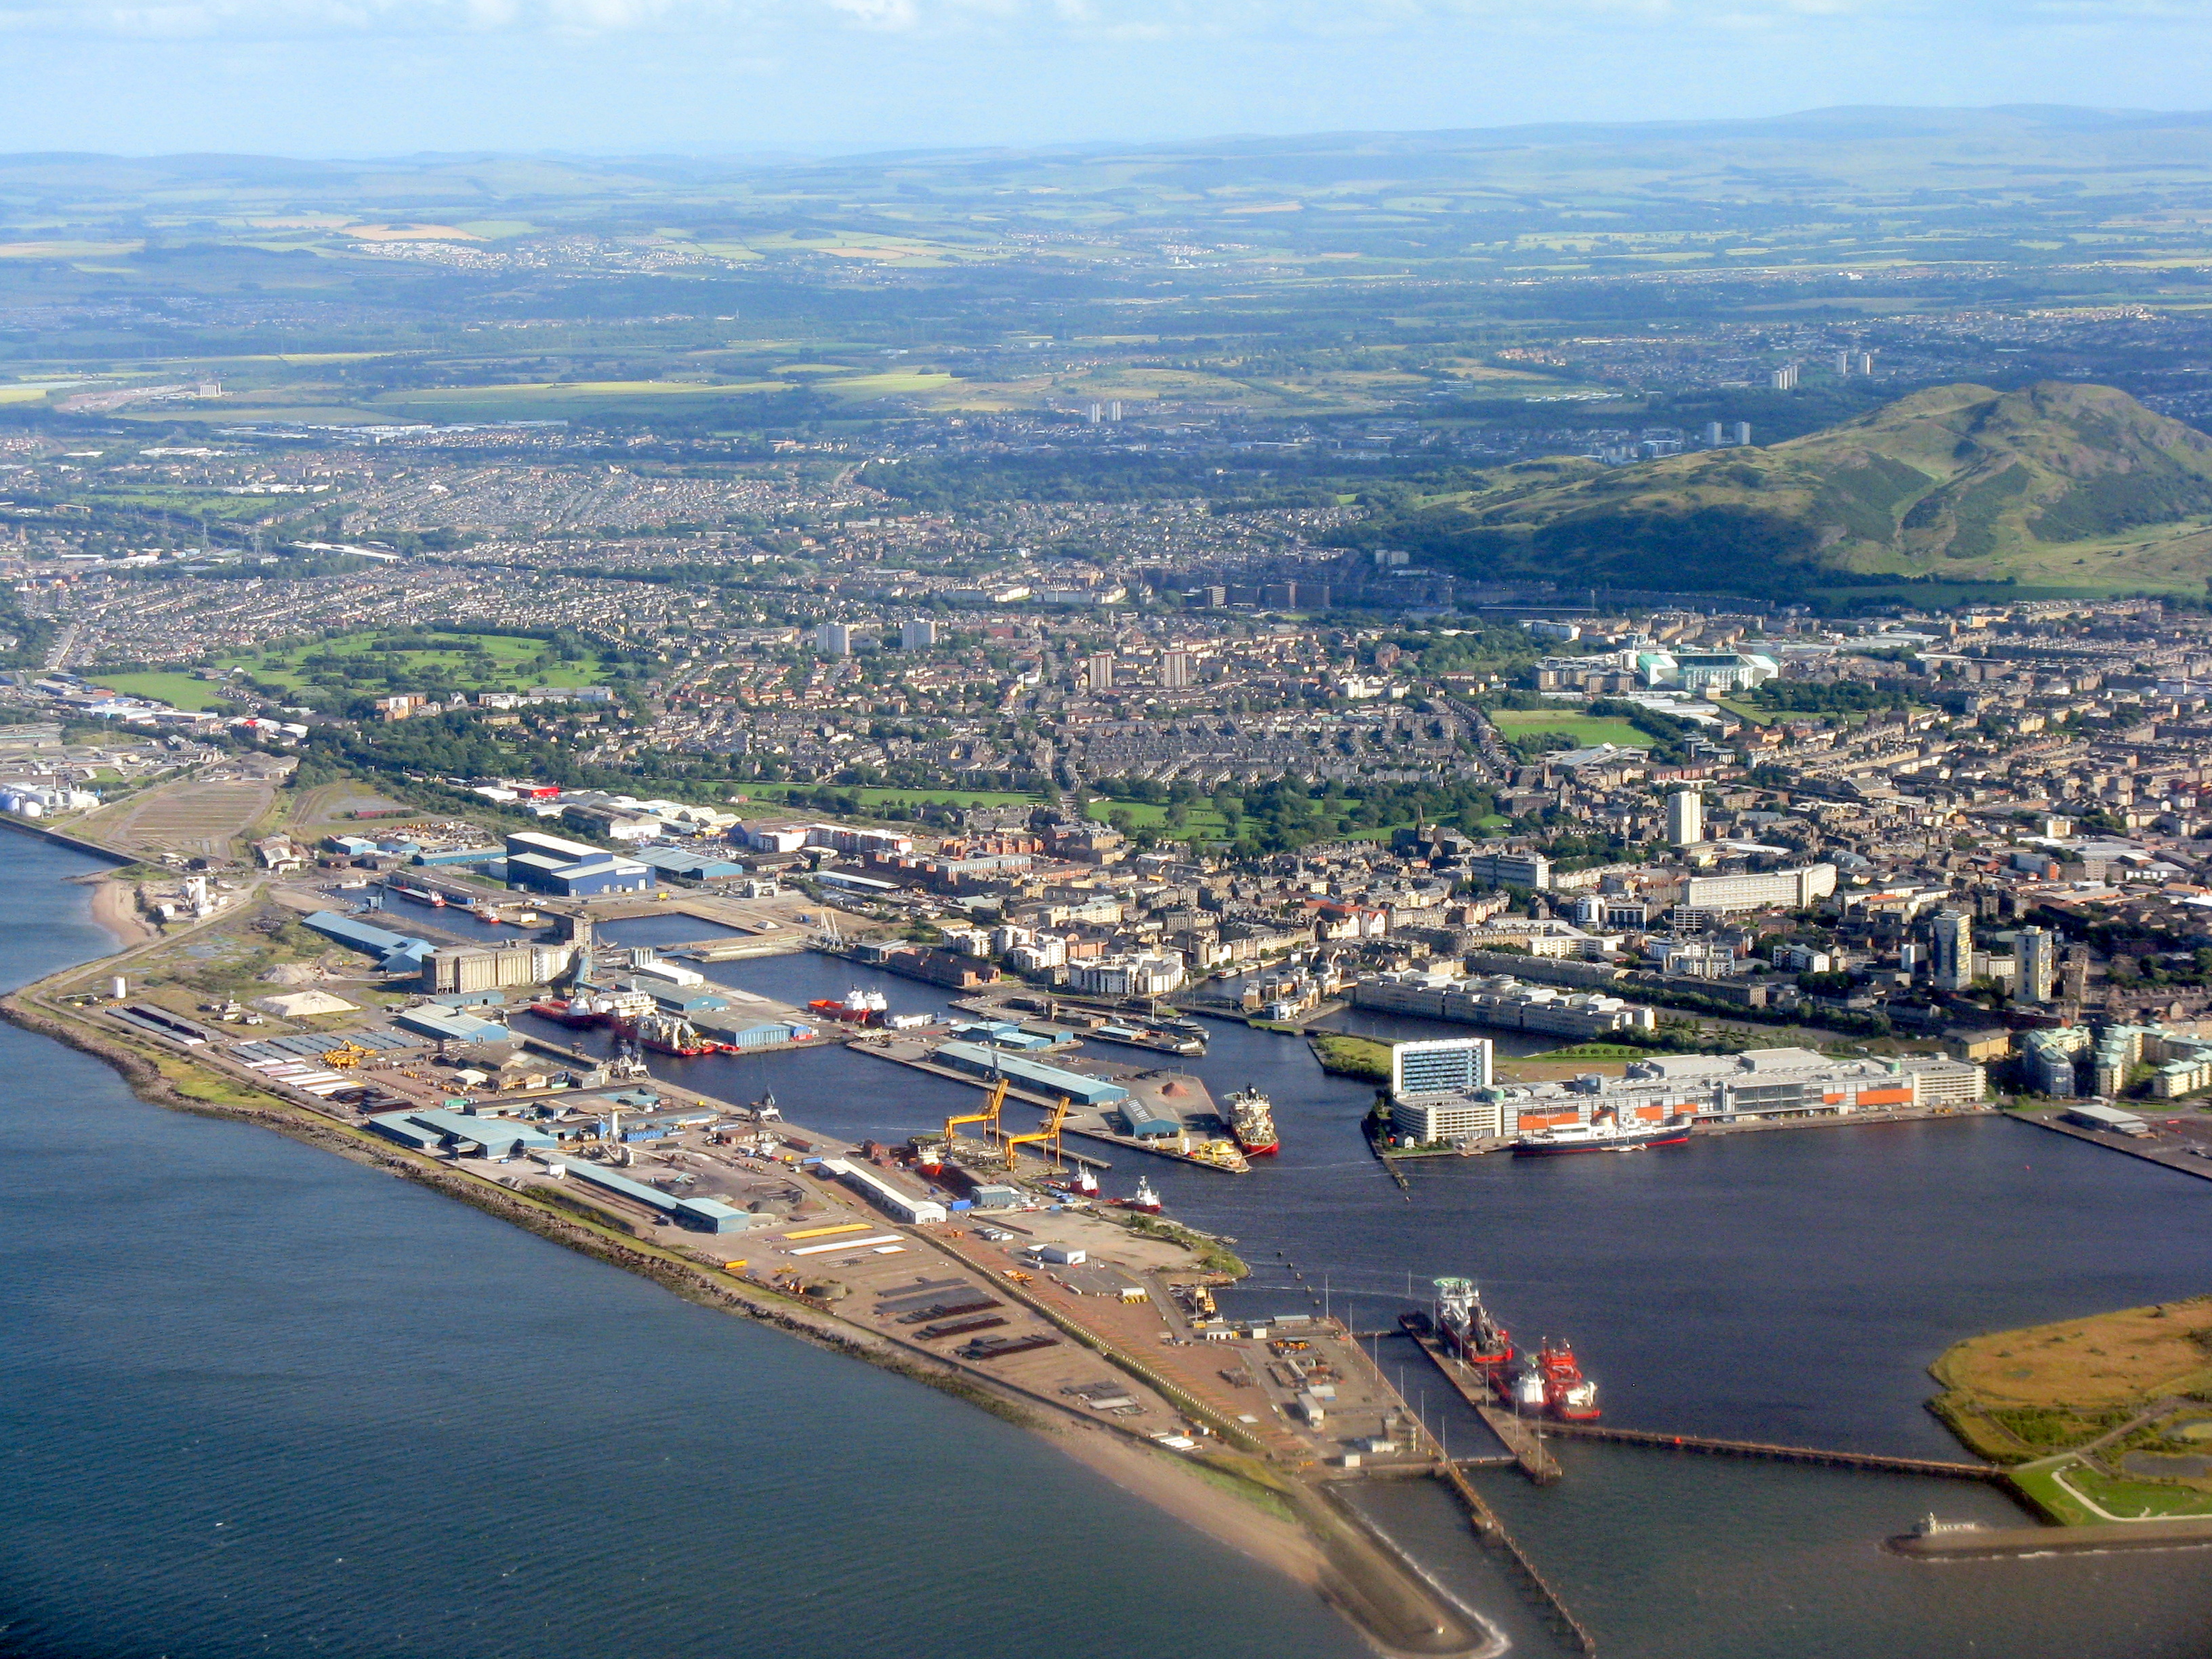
(2059, 483)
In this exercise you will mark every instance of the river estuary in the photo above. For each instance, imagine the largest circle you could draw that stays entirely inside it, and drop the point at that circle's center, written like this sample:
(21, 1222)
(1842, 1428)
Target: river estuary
(259, 1400)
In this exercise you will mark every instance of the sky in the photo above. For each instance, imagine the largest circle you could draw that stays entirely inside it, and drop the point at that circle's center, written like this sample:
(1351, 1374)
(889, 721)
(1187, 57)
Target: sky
(358, 77)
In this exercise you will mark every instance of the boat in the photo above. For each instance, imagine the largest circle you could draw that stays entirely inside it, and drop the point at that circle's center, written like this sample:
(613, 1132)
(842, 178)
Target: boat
(1523, 1388)
(485, 913)
(929, 1158)
(1568, 1394)
(667, 1034)
(1605, 1132)
(1145, 1199)
(578, 1010)
(1132, 1036)
(1468, 1330)
(420, 895)
(1084, 1184)
(859, 1007)
(1252, 1121)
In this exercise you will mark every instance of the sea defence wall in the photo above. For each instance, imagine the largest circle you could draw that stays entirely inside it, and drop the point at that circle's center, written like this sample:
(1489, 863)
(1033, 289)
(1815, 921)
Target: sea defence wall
(61, 838)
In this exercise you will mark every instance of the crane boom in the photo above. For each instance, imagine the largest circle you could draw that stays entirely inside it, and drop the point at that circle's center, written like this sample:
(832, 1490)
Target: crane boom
(1047, 1134)
(989, 1115)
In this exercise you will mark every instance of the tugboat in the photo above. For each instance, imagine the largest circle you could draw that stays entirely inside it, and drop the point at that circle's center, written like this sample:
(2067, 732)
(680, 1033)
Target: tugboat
(1605, 1132)
(1252, 1121)
(1469, 1331)
(1568, 1394)
(859, 1007)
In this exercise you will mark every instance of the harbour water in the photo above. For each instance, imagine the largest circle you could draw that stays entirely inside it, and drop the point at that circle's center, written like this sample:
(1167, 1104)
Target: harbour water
(260, 1399)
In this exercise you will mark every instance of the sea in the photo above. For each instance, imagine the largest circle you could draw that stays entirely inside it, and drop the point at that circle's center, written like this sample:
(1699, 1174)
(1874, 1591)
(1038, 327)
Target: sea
(256, 1399)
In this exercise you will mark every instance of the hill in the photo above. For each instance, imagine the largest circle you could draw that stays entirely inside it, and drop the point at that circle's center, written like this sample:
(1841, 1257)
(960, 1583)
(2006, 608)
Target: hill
(2058, 484)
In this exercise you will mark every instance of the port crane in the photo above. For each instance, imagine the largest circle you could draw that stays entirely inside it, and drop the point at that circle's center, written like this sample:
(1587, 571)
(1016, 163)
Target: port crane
(1049, 1134)
(988, 1116)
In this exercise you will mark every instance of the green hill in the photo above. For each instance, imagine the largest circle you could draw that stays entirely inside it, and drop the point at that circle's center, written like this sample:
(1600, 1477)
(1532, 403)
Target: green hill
(2059, 484)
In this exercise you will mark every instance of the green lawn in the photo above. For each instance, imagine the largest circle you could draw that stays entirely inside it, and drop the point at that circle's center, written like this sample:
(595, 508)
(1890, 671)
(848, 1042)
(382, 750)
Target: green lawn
(179, 691)
(513, 661)
(1591, 1051)
(1203, 820)
(1588, 730)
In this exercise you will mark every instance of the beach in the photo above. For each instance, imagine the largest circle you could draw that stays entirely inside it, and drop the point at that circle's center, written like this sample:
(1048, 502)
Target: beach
(115, 908)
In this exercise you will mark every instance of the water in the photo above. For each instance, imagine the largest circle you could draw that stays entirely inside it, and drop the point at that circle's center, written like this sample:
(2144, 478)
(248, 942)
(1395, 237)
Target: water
(537, 1454)
(256, 1400)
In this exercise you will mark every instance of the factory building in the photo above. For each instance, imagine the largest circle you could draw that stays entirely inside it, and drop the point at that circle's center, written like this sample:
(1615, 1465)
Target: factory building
(699, 1215)
(549, 864)
(892, 1201)
(978, 1060)
(395, 953)
(460, 969)
(451, 1025)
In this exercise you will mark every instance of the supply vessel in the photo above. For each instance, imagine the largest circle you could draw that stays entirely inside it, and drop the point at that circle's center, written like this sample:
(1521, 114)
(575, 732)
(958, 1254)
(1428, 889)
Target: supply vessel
(667, 1034)
(1251, 1122)
(859, 1007)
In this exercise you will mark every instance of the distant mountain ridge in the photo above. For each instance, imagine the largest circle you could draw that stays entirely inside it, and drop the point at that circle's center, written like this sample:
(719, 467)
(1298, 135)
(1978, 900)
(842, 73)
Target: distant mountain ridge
(2058, 483)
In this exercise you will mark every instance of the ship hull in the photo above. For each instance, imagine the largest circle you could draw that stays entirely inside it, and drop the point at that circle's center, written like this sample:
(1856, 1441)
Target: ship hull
(1267, 1149)
(1630, 1143)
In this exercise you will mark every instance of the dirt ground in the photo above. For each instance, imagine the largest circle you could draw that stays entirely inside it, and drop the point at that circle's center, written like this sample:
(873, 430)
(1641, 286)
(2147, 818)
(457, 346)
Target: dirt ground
(193, 820)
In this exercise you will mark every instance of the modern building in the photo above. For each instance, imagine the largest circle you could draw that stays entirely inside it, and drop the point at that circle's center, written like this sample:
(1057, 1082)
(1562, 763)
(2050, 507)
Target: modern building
(1127, 975)
(1686, 819)
(2051, 1057)
(1951, 962)
(2035, 956)
(918, 634)
(1510, 869)
(1442, 1065)
(1792, 890)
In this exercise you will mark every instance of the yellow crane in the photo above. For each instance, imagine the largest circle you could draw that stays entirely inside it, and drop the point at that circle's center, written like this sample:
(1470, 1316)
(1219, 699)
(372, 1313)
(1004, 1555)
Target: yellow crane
(1049, 1134)
(988, 1115)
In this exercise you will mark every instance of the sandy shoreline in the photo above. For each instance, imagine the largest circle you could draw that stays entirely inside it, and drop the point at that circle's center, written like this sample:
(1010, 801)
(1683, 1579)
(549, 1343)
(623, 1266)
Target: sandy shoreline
(115, 908)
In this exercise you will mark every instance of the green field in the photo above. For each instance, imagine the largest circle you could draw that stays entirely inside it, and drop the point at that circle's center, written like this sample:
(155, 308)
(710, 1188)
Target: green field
(1588, 730)
(1202, 820)
(892, 796)
(513, 664)
(1590, 1051)
(178, 690)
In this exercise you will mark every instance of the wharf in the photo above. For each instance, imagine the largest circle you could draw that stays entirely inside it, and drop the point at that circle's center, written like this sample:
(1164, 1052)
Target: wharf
(1193, 1103)
(2156, 1150)
(1521, 1437)
(1879, 1462)
(1969, 1543)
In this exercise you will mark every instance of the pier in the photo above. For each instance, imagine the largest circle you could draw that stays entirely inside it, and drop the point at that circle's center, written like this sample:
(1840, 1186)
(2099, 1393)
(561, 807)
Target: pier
(1880, 1463)
(1492, 1531)
(1521, 1437)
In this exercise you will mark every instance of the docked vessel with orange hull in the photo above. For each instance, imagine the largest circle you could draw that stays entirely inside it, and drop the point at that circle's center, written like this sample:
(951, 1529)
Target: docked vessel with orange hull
(859, 1007)
(577, 1011)
(1568, 1394)
(1251, 1122)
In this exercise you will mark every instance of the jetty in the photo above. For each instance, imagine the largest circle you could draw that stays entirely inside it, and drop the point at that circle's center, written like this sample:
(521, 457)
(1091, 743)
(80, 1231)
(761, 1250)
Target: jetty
(1881, 1462)
(1520, 1436)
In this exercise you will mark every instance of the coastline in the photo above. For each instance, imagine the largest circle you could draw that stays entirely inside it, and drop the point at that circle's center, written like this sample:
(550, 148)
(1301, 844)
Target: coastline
(1380, 1594)
(115, 910)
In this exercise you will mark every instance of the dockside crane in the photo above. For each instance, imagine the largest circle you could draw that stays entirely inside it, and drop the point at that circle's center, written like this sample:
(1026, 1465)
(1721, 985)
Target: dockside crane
(1047, 1134)
(988, 1116)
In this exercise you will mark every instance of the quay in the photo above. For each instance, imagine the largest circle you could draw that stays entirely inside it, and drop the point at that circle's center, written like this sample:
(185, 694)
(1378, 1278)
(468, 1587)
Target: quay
(2156, 1150)
(1879, 1462)
(1520, 1436)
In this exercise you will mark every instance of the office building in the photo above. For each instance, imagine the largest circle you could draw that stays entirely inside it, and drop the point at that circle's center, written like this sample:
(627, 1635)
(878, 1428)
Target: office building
(1952, 959)
(1793, 890)
(1442, 1065)
(1686, 819)
(1510, 869)
(918, 634)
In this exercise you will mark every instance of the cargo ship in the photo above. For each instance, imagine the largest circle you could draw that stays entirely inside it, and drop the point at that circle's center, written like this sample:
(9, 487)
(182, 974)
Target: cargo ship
(1604, 1134)
(420, 895)
(1252, 1121)
(1136, 1037)
(667, 1034)
(859, 1007)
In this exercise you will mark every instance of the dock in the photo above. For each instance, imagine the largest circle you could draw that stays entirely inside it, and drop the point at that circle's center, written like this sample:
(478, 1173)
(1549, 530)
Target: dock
(1521, 1437)
(2155, 1149)
(1881, 1462)
(1492, 1531)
